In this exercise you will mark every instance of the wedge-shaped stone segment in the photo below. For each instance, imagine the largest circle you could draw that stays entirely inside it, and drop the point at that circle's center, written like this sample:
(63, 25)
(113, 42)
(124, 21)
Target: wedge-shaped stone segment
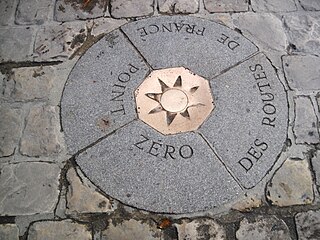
(98, 97)
(249, 125)
(203, 46)
(173, 174)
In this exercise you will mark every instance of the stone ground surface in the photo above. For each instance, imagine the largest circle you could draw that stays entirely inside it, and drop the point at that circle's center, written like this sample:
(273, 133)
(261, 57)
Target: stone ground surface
(43, 193)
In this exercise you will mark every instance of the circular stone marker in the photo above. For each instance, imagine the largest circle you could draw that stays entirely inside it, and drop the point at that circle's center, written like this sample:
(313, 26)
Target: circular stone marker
(174, 114)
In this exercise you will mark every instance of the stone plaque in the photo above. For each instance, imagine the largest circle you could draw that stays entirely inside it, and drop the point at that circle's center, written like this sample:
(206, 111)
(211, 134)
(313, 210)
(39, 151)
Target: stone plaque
(174, 114)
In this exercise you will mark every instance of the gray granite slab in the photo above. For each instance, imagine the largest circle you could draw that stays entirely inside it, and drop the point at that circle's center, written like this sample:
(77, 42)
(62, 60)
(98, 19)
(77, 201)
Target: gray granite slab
(248, 127)
(173, 173)
(203, 46)
(98, 97)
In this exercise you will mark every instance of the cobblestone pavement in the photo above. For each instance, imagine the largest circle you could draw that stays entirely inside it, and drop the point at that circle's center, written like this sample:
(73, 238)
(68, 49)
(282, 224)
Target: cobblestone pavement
(44, 195)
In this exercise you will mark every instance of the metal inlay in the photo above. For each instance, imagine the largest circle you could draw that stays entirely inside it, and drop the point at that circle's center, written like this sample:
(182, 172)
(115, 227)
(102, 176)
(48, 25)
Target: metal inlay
(174, 100)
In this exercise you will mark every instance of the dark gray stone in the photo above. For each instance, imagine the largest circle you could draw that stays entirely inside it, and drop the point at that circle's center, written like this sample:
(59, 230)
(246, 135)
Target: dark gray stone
(302, 72)
(308, 225)
(7, 10)
(11, 124)
(98, 97)
(226, 5)
(18, 48)
(132, 166)
(310, 5)
(200, 45)
(29, 188)
(33, 11)
(41, 134)
(305, 122)
(243, 128)
(273, 5)
(303, 32)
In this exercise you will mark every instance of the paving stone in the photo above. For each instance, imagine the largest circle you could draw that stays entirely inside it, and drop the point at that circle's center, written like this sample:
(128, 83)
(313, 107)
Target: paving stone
(263, 228)
(201, 229)
(82, 197)
(273, 6)
(19, 46)
(33, 11)
(258, 121)
(315, 162)
(7, 11)
(250, 202)
(137, 170)
(63, 41)
(308, 225)
(28, 188)
(59, 42)
(124, 8)
(132, 229)
(41, 135)
(105, 105)
(62, 230)
(310, 5)
(218, 47)
(302, 72)
(291, 184)
(303, 32)
(178, 6)
(226, 5)
(29, 83)
(305, 123)
(71, 10)
(265, 29)
(9, 232)
(11, 124)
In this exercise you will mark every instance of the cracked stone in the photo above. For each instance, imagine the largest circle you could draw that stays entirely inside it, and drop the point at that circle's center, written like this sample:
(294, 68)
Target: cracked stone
(200, 229)
(83, 197)
(28, 188)
(291, 185)
(20, 44)
(41, 134)
(7, 11)
(310, 5)
(303, 32)
(62, 230)
(33, 11)
(29, 83)
(71, 10)
(305, 123)
(125, 8)
(178, 6)
(10, 129)
(265, 29)
(308, 225)
(260, 228)
(9, 232)
(273, 6)
(302, 72)
(226, 6)
(131, 229)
